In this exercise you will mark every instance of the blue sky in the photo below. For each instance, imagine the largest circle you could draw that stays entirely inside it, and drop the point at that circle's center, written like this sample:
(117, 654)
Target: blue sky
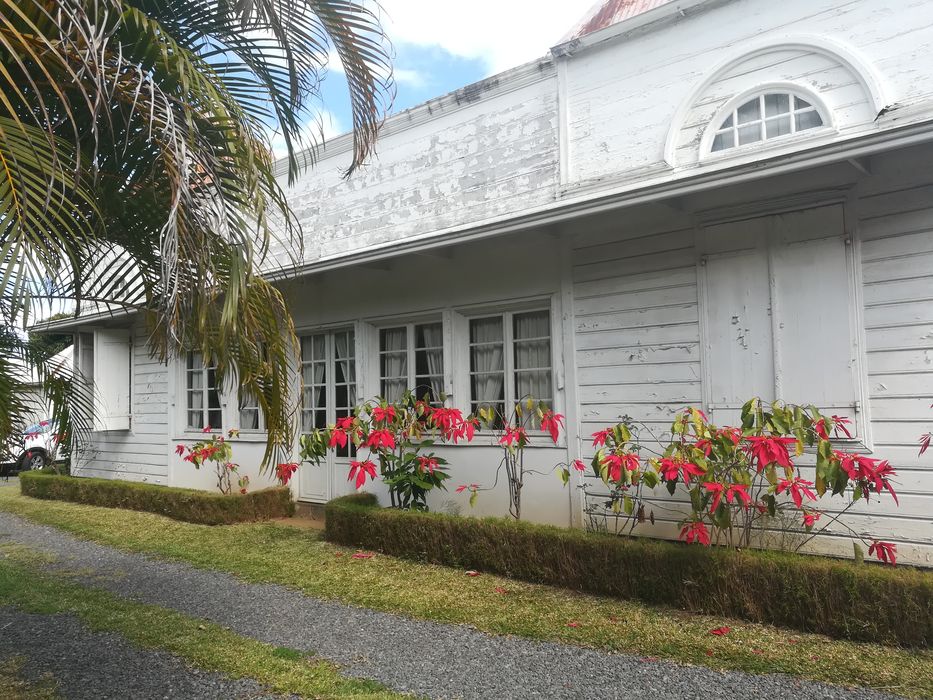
(441, 46)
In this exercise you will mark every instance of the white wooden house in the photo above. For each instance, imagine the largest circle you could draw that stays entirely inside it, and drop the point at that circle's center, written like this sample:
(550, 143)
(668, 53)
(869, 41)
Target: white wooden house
(688, 202)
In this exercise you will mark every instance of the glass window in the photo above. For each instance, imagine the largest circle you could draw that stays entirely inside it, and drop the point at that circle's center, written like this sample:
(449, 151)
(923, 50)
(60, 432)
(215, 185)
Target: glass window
(412, 357)
(510, 360)
(328, 373)
(203, 399)
(765, 117)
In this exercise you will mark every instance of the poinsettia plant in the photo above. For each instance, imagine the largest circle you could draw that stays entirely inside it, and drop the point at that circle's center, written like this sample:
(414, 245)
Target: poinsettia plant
(393, 441)
(735, 477)
(512, 434)
(216, 450)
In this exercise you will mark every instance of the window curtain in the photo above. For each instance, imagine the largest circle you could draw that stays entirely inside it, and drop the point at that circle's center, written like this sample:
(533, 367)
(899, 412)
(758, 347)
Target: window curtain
(486, 362)
(345, 365)
(432, 339)
(394, 359)
(532, 339)
(313, 375)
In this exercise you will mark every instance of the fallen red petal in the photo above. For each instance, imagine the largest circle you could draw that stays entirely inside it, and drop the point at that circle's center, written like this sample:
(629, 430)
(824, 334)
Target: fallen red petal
(709, 652)
(720, 631)
(363, 555)
(757, 651)
(472, 573)
(500, 589)
(573, 624)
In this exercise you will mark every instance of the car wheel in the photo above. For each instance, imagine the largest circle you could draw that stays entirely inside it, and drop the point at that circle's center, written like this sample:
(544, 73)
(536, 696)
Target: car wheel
(33, 460)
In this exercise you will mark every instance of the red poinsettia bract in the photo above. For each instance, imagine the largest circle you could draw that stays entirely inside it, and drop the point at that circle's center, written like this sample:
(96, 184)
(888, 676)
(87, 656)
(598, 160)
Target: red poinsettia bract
(671, 469)
(285, 471)
(616, 463)
(766, 450)
(885, 551)
(552, 423)
(695, 531)
(361, 470)
(797, 488)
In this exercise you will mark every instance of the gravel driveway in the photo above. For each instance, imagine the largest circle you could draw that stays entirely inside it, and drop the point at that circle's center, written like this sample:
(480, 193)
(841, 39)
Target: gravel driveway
(92, 665)
(426, 658)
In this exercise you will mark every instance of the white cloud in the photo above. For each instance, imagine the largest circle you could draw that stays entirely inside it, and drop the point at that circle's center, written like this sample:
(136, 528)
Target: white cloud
(501, 33)
(325, 126)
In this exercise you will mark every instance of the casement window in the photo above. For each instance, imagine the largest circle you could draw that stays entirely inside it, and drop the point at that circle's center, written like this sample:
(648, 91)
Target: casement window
(510, 360)
(251, 417)
(411, 356)
(102, 357)
(764, 117)
(202, 398)
(780, 314)
(329, 384)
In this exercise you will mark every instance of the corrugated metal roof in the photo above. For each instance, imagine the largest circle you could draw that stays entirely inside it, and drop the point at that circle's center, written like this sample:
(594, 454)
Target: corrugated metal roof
(609, 12)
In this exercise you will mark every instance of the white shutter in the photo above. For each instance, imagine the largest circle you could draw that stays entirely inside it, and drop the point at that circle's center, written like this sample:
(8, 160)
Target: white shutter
(814, 337)
(739, 352)
(112, 379)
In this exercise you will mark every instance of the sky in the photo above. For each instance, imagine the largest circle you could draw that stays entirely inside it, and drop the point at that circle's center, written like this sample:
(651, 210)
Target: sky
(441, 45)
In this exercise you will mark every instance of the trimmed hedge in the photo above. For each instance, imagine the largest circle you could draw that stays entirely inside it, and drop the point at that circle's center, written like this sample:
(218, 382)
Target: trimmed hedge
(189, 505)
(839, 598)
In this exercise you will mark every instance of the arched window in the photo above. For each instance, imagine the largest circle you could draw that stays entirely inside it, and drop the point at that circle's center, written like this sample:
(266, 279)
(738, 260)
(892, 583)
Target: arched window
(764, 117)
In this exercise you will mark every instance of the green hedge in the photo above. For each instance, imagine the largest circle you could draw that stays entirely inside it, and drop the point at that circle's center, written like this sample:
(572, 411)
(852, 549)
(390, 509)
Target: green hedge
(181, 504)
(814, 594)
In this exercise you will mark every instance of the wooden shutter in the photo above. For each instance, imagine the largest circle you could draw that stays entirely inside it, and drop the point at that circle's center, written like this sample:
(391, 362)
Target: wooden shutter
(112, 379)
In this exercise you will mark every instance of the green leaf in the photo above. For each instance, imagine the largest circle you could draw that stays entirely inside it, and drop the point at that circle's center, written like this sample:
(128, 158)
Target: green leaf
(629, 505)
(857, 553)
(473, 497)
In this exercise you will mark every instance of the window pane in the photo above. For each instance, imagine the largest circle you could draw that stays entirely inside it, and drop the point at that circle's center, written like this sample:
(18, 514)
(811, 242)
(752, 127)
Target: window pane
(429, 362)
(808, 120)
(393, 362)
(532, 355)
(727, 124)
(249, 419)
(487, 364)
(723, 141)
(801, 104)
(749, 134)
(776, 104)
(777, 127)
(749, 112)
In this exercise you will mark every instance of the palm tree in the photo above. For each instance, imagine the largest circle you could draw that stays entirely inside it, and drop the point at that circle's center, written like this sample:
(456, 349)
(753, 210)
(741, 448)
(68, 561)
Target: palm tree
(136, 171)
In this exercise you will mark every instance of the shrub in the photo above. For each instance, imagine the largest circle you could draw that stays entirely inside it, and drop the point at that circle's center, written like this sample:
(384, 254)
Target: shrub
(839, 598)
(181, 504)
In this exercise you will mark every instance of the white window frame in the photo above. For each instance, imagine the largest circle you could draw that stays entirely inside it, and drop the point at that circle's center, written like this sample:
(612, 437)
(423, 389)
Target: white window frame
(507, 314)
(205, 408)
(715, 126)
(411, 353)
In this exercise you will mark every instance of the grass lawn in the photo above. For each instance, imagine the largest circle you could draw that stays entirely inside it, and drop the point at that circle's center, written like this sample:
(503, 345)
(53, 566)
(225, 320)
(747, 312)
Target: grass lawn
(280, 554)
(201, 643)
(14, 685)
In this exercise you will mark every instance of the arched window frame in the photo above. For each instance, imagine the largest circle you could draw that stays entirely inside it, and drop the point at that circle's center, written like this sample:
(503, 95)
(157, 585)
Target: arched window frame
(730, 109)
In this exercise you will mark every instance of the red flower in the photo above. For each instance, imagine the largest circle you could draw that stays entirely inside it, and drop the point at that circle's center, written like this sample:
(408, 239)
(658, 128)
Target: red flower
(839, 425)
(285, 471)
(179, 449)
(363, 555)
(740, 491)
(384, 415)
(579, 465)
(885, 551)
(616, 463)
(821, 429)
(345, 423)
(671, 469)
(500, 590)
(243, 491)
(360, 470)
(695, 532)
(207, 429)
(768, 450)
(381, 438)
(721, 631)
(338, 438)
(518, 436)
(717, 490)
(428, 464)
(472, 574)
(552, 423)
(705, 445)
(464, 487)
(809, 519)
(573, 624)
(600, 437)
(925, 442)
(798, 488)
(874, 472)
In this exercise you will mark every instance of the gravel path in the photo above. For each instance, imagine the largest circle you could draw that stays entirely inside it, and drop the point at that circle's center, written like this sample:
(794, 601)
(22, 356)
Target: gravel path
(426, 658)
(93, 665)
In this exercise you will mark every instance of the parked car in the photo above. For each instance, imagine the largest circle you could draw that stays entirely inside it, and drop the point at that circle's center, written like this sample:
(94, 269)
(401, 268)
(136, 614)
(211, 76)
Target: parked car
(34, 448)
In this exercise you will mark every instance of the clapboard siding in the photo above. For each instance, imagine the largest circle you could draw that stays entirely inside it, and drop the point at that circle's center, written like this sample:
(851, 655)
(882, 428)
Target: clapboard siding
(637, 350)
(140, 454)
